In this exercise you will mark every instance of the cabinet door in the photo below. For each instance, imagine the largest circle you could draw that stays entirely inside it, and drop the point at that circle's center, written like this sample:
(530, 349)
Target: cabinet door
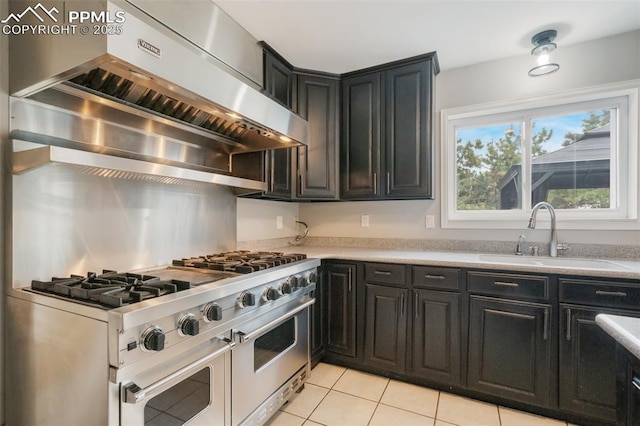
(436, 336)
(316, 317)
(318, 161)
(278, 173)
(628, 388)
(279, 80)
(360, 158)
(340, 297)
(587, 357)
(385, 337)
(510, 349)
(407, 138)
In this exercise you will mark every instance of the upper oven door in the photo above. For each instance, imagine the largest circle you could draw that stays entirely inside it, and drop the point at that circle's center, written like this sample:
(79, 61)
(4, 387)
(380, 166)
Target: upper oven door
(182, 391)
(271, 349)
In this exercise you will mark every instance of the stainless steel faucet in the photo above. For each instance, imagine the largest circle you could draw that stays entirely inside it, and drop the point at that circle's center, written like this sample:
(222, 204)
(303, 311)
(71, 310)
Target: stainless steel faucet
(553, 244)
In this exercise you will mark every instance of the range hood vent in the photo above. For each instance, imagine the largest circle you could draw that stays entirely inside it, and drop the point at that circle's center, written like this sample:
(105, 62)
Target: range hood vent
(102, 82)
(158, 67)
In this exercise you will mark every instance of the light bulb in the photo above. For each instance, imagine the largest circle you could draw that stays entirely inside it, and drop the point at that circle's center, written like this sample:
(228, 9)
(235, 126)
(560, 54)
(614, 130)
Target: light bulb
(543, 58)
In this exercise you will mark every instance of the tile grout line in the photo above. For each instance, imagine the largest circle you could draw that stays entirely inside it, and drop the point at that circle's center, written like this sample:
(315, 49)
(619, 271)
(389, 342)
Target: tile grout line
(435, 415)
(378, 403)
(323, 398)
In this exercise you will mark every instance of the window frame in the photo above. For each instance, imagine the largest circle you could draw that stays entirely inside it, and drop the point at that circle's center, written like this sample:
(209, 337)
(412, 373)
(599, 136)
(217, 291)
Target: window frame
(624, 157)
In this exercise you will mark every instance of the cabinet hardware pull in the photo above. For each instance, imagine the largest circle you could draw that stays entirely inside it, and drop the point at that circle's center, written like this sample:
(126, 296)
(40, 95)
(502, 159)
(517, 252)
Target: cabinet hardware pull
(636, 383)
(415, 302)
(434, 277)
(402, 305)
(546, 325)
(349, 279)
(388, 181)
(611, 293)
(505, 284)
(375, 183)
(568, 332)
(378, 272)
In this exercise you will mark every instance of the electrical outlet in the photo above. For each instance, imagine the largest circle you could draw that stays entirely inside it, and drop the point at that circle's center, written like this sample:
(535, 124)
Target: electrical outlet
(430, 221)
(279, 223)
(364, 220)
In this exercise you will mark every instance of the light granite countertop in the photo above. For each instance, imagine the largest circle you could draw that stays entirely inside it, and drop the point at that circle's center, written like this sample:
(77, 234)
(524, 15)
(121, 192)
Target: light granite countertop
(610, 268)
(625, 330)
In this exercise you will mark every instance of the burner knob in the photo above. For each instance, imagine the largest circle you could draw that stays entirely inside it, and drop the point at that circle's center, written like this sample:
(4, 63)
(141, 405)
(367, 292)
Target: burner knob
(153, 339)
(212, 312)
(286, 287)
(246, 299)
(189, 325)
(309, 278)
(294, 282)
(270, 293)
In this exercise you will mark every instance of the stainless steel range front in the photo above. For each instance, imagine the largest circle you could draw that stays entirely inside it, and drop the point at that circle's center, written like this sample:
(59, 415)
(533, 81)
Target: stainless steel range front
(169, 345)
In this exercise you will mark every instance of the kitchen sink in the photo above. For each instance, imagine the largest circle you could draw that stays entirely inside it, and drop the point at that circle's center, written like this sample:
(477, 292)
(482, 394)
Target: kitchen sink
(552, 262)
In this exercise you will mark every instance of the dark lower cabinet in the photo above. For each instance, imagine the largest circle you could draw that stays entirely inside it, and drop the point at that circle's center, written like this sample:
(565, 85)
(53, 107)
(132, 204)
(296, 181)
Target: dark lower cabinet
(587, 373)
(316, 320)
(628, 388)
(385, 336)
(340, 302)
(510, 349)
(436, 351)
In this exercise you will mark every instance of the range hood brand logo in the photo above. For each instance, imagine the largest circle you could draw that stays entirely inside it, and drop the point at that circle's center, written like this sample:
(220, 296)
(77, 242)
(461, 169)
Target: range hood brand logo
(40, 20)
(149, 48)
(34, 11)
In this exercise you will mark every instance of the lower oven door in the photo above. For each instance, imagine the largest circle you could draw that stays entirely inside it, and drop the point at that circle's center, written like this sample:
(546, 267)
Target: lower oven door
(271, 350)
(192, 388)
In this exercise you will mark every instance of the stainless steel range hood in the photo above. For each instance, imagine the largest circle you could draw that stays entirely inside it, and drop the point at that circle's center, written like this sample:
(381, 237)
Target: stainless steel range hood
(144, 77)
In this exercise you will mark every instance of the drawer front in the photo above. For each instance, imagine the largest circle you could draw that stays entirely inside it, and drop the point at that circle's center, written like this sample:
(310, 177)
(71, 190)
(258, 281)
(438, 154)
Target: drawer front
(600, 293)
(432, 277)
(385, 273)
(509, 285)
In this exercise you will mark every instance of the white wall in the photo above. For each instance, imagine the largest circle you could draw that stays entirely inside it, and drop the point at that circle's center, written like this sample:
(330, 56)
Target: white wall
(257, 219)
(597, 62)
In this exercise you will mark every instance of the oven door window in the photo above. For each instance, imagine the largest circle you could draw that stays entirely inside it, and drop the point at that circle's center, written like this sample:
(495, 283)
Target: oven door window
(181, 402)
(273, 343)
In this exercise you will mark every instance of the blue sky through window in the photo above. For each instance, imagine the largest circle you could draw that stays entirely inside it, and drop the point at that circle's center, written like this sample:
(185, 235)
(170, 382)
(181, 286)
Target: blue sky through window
(560, 125)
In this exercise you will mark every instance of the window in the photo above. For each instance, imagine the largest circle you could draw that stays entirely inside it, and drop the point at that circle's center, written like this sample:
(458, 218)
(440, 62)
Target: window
(577, 152)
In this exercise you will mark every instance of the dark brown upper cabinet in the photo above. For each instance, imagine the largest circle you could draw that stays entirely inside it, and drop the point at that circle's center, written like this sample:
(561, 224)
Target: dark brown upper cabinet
(317, 163)
(387, 131)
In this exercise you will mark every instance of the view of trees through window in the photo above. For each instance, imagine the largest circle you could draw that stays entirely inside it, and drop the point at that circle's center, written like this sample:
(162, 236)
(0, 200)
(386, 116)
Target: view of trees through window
(570, 163)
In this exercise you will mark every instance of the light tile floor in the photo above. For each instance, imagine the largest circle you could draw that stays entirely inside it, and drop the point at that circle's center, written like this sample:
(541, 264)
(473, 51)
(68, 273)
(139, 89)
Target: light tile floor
(337, 396)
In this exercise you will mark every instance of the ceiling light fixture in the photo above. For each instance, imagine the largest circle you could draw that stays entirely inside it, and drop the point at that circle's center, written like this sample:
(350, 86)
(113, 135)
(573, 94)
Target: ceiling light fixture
(544, 45)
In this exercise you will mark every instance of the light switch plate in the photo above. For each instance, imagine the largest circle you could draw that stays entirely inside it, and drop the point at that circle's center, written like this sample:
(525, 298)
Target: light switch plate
(364, 220)
(279, 223)
(430, 221)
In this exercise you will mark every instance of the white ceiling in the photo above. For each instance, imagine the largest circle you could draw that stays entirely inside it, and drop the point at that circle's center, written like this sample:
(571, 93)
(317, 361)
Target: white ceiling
(345, 35)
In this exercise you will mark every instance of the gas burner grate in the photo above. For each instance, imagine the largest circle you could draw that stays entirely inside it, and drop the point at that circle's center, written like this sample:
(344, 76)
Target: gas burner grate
(111, 288)
(243, 262)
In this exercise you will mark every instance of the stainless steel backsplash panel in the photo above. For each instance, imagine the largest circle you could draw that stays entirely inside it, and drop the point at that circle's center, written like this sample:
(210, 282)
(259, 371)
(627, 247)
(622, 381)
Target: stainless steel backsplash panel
(66, 221)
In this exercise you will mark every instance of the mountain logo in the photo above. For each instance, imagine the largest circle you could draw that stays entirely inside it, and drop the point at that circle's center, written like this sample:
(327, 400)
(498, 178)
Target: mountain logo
(34, 11)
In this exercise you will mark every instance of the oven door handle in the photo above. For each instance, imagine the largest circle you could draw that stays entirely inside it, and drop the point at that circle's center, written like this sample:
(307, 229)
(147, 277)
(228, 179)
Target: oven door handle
(133, 394)
(245, 337)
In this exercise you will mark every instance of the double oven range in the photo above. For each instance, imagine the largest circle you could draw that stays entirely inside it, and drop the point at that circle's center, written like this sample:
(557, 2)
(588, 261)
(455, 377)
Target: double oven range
(217, 339)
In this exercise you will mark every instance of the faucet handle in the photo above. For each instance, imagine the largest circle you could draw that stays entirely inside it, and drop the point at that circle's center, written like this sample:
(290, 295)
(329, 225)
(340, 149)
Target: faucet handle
(563, 246)
(534, 250)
